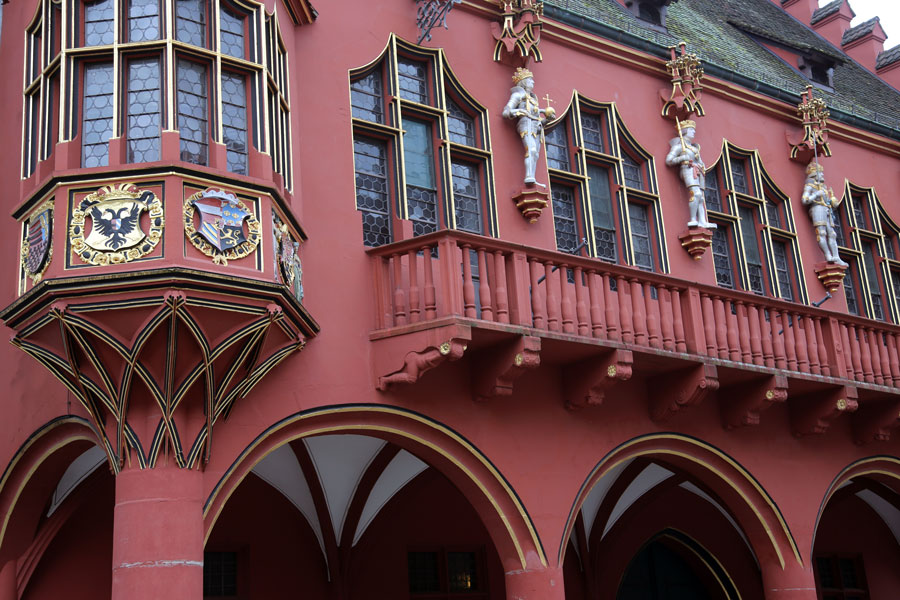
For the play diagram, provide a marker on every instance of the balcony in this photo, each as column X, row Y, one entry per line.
column 448, row 294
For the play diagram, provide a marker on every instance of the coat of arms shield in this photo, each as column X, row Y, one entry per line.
column 220, row 225
column 36, row 249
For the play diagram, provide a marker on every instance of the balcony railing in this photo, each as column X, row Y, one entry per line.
column 451, row 273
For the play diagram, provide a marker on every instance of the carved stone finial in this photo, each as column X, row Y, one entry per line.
column 519, row 35
column 812, row 142
column 686, row 72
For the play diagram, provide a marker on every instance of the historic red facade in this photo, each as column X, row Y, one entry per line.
column 287, row 321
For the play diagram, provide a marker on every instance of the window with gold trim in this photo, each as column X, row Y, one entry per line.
column 755, row 247
column 869, row 243
column 603, row 187
column 421, row 147
column 217, row 78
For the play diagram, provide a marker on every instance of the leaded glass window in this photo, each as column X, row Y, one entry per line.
column 739, row 176
column 592, row 130
column 421, row 189
column 895, row 284
column 460, row 124
column 711, row 191
column 232, row 37
column 889, row 242
column 367, row 99
column 772, row 214
column 859, row 213
column 234, row 121
column 97, row 114
column 413, row 80
column 602, row 212
column 782, row 269
column 193, row 120
column 467, row 197
column 633, row 176
column 424, row 574
column 839, row 227
column 564, row 218
column 190, row 22
column 721, row 250
column 751, row 249
column 850, row 288
column 144, row 109
column 872, row 280
column 98, row 23
column 557, row 148
column 640, row 236
column 143, row 20
column 372, row 198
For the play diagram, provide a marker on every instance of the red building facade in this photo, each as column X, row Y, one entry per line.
column 473, row 387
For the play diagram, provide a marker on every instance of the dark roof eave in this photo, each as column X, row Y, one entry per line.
column 629, row 39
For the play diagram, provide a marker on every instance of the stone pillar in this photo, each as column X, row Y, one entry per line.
column 791, row 583
column 535, row 584
column 158, row 534
column 8, row 589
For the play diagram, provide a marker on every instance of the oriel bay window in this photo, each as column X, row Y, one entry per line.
column 755, row 248
column 421, row 147
column 218, row 82
column 603, row 187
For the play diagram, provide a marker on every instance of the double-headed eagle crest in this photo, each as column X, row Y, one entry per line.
column 115, row 233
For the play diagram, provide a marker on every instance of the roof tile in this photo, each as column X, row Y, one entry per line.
column 888, row 57
column 825, row 11
column 861, row 30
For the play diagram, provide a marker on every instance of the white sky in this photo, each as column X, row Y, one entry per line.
column 888, row 10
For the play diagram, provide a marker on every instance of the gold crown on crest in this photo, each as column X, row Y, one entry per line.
column 813, row 168
column 686, row 124
column 521, row 74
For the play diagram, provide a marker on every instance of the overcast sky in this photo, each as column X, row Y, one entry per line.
column 888, row 10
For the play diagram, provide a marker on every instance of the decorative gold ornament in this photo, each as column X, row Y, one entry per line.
column 687, row 123
column 37, row 242
column 520, row 75
column 519, row 359
column 841, row 404
column 770, row 394
column 116, row 236
column 444, row 349
column 611, row 371
column 219, row 232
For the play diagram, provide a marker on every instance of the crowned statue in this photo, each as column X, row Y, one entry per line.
column 523, row 106
column 822, row 203
column 685, row 154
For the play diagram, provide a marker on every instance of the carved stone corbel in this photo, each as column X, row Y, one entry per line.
column 495, row 374
column 586, row 382
column 876, row 423
column 416, row 364
column 813, row 413
column 740, row 404
column 681, row 389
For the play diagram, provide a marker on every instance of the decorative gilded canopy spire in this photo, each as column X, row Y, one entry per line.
column 813, row 142
column 686, row 73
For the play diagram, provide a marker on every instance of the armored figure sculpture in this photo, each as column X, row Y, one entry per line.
column 683, row 152
column 523, row 105
column 821, row 202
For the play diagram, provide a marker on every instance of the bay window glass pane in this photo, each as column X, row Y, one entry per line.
column 143, row 20
column 602, row 213
column 721, row 250
column 193, row 120
column 366, row 98
column 98, row 23
column 779, row 249
column 190, row 22
column 370, row 159
column 557, row 144
column 234, row 121
column 232, row 34
column 96, row 114
column 413, row 82
column 872, row 279
column 592, row 128
column 751, row 248
column 564, row 218
column 640, row 235
column 421, row 192
column 467, row 197
column 461, row 125
column 143, row 110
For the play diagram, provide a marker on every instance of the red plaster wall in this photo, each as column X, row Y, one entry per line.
column 77, row 564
